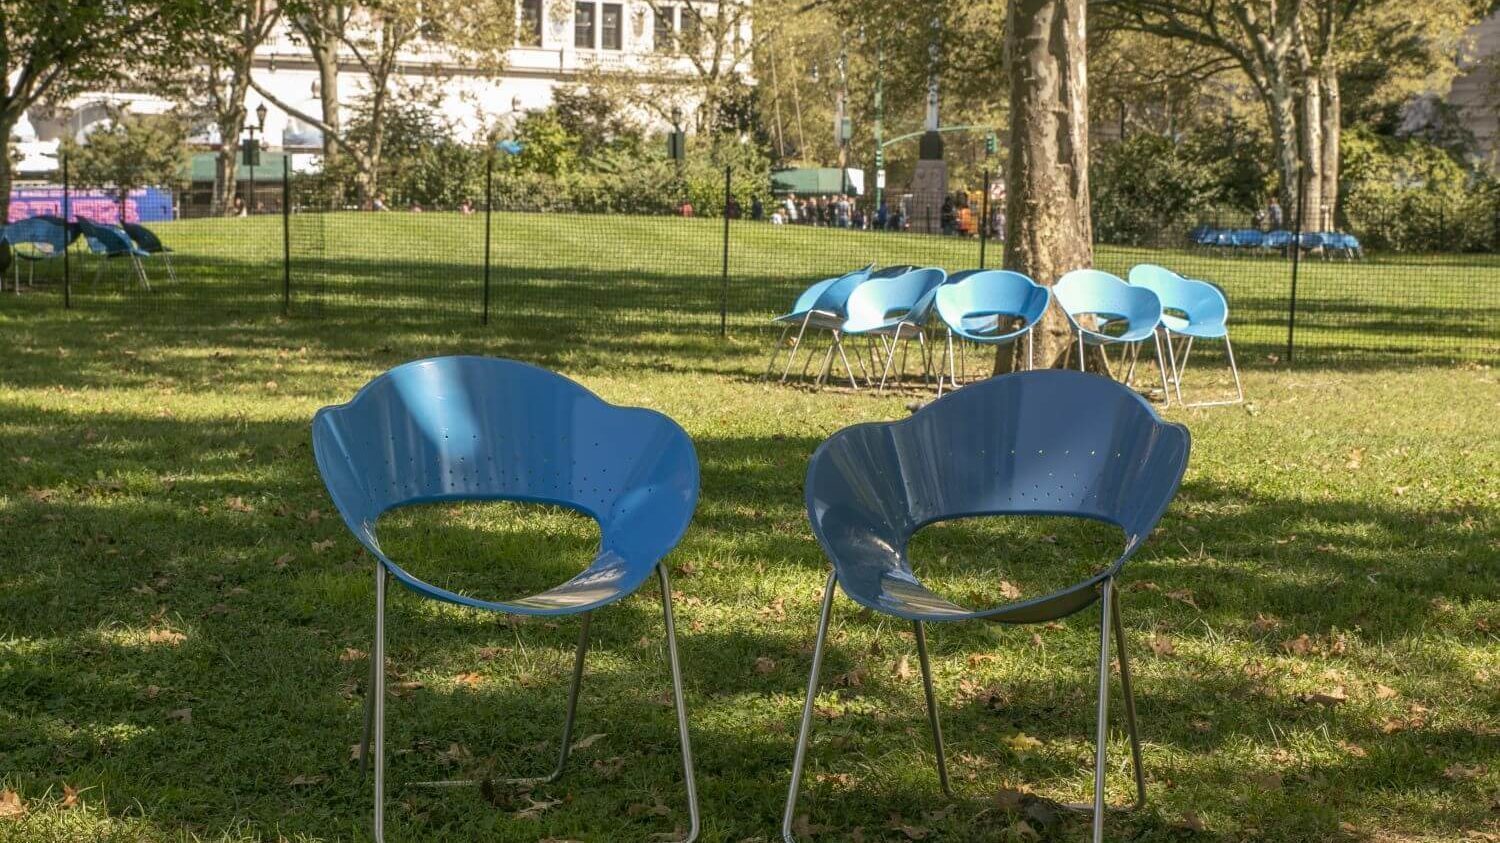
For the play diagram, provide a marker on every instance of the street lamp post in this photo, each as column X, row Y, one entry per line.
column 252, row 150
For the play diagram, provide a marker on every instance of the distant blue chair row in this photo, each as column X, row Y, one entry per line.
column 1045, row 443
column 47, row 237
column 1252, row 240
column 1190, row 310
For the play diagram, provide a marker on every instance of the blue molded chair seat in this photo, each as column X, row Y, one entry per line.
column 1051, row 442
column 109, row 241
column 1134, row 311
column 43, row 238
column 146, row 240
column 973, row 306
column 1191, row 309
column 894, row 308
column 475, row 428
column 820, row 306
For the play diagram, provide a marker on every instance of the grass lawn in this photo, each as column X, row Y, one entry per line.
column 183, row 619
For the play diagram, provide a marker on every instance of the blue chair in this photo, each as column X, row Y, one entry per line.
column 894, row 309
column 1247, row 238
column 1190, row 310
column 1101, row 298
column 1311, row 241
column 146, row 240
column 1277, row 240
column 474, row 428
column 44, row 238
column 1048, row 442
column 974, row 306
column 819, row 306
column 110, row 242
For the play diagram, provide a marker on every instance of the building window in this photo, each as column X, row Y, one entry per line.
column 583, row 25
column 612, row 31
column 665, row 39
column 689, row 30
column 529, row 32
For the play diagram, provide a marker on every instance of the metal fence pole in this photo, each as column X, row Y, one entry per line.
column 286, row 235
column 1291, row 312
column 67, row 221
column 489, row 204
column 724, row 278
column 984, row 217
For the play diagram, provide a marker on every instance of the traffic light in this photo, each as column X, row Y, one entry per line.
column 879, row 157
column 989, row 144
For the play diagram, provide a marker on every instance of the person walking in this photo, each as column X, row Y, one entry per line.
column 757, row 209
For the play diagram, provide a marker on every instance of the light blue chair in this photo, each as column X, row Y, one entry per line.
column 973, row 307
column 475, row 428
column 1049, row 442
column 1190, row 310
column 1276, row 241
column 110, row 242
column 43, row 238
column 1104, row 299
column 1247, row 239
column 819, row 306
column 894, row 310
column 146, row 240
column 1312, row 241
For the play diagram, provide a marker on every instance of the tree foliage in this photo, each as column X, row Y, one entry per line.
column 131, row 151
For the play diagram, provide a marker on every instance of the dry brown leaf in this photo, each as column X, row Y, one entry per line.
column 853, row 679
column 12, row 806
column 70, row 796
column 352, row 655
column 319, row 547
column 911, row 832
column 283, row 560
column 1463, row 772
column 180, row 715
column 1184, row 595
column 1022, row 743
column 237, row 504
column 902, row 669
column 1299, row 646
column 1356, row 459
column 1385, row 692
column 1264, row 624
column 536, row 808
column 1266, row 781
column 608, row 768
column 1161, row 645
column 304, row 780
column 469, row 680
column 764, row 665
column 1009, row 591
column 1332, row 697
column 1192, row 822
column 165, row 636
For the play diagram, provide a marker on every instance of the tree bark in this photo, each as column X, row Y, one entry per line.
column 1333, row 124
column 1048, row 228
column 1281, row 111
column 8, row 120
column 231, row 121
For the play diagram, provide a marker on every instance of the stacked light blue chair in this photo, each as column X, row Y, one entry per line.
column 989, row 307
column 35, row 239
column 820, row 306
column 894, row 310
column 473, row 428
column 1091, row 295
column 1049, row 442
column 110, row 242
column 1190, row 310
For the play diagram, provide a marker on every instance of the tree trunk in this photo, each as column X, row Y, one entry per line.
column 1310, row 151
column 7, row 126
column 1281, row 112
column 1048, row 229
column 231, row 124
column 1333, row 124
column 326, row 57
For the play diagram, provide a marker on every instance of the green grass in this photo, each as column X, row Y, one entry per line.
column 582, row 274
column 168, row 549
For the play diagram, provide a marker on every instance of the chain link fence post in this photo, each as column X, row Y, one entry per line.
column 724, row 277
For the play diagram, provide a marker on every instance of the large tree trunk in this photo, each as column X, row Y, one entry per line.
column 325, row 55
column 1048, row 229
column 1333, row 125
column 231, row 123
column 1281, row 112
column 7, row 126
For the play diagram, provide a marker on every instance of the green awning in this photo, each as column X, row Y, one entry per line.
column 816, row 181
column 268, row 171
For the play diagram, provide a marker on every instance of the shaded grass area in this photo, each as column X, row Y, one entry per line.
column 618, row 274
column 183, row 618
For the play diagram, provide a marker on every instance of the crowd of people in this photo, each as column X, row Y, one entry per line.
column 960, row 214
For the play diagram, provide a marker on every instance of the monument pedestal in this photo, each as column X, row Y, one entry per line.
column 929, row 187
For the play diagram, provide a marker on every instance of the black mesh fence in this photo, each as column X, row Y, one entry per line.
column 527, row 263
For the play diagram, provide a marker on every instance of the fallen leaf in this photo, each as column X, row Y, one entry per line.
column 911, row 832
column 536, row 808
column 70, row 796
column 902, row 669
column 1332, row 697
column 165, row 636
column 237, row 504
column 1299, row 646
column 319, row 547
column 587, row 742
column 608, row 768
column 1385, row 692
column 470, row 680
column 1009, row 591
column 1356, row 459
column 180, row 715
column 853, row 679
column 486, row 654
column 1183, row 595
column 1010, row 800
column 456, row 753
column 640, row 809
column 1266, row 781
column 776, row 611
column 283, row 560
column 11, row 804
column 1463, row 772
column 1192, row 822
column 1022, row 743
column 304, row 780
column 354, row 752
column 1263, row 624
column 1162, row 645
column 764, row 665
column 401, row 689
column 352, row 655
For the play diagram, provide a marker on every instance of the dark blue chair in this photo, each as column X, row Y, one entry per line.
column 146, row 240
column 111, row 242
column 1048, row 442
column 475, row 428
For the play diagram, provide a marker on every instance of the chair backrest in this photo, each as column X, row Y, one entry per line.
column 478, row 428
column 892, row 271
column 143, row 237
column 874, row 301
column 1196, row 300
column 1277, row 239
column 1247, row 237
column 1091, row 291
column 991, row 292
column 1311, row 240
column 834, row 297
column 105, row 239
column 1046, row 442
column 46, row 232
